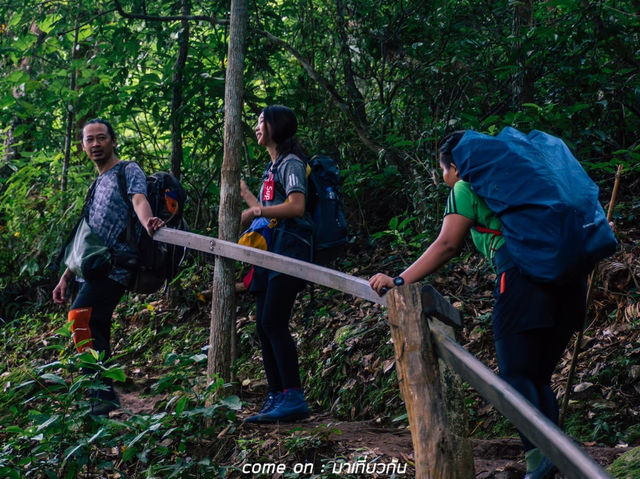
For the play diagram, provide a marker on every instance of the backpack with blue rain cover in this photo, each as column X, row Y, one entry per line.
column 553, row 225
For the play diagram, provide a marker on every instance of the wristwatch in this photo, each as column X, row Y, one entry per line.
column 398, row 280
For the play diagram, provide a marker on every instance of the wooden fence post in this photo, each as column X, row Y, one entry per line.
column 419, row 380
column 457, row 416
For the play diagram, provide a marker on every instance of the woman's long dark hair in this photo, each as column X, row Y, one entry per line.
column 283, row 125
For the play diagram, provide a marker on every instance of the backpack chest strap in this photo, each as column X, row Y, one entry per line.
column 484, row 229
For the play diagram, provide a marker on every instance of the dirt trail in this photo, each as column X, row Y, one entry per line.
column 494, row 459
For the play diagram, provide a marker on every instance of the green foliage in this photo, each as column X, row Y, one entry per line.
column 627, row 465
column 47, row 431
column 401, row 234
column 406, row 73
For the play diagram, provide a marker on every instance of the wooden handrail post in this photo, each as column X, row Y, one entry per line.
column 419, row 381
column 455, row 407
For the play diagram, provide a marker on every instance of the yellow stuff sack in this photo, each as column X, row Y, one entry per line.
column 258, row 235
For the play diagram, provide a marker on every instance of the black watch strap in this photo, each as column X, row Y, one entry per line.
column 398, row 280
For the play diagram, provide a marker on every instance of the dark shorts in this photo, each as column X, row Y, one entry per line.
column 522, row 304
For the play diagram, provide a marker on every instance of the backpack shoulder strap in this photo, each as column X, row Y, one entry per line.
column 87, row 198
column 127, row 234
column 122, row 182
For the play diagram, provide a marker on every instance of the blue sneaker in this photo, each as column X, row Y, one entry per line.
column 270, row 402
column 543, row 471
column 292, row 407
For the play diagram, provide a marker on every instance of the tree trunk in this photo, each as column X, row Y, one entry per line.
column 223, row 294
column 176, row 95
column 357, row 100
column 70, row 114
column 524, row 78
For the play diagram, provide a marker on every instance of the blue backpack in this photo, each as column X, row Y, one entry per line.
column 553, row 224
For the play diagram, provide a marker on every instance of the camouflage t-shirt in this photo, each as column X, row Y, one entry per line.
column 109, row 213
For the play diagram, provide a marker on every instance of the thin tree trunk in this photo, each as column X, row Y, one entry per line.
column 176, row 96
column 223, row 294
column 69, row 136
column 357, row 100
column 9, row 150
column 524, row 78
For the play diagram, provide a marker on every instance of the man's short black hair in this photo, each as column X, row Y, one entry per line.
column 447, row 144
column 112, row 133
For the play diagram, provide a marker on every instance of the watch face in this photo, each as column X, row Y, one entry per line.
column 398, row 281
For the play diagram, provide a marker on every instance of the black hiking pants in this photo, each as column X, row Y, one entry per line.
column 90, row 318
column 533, row 323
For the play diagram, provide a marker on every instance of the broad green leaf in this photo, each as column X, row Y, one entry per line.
column 54, row 378
column 54, row 364
column 117, row 374
column 198, row 358
column 232, row 402
column 17, row 77
column 84, row 32
column 98, row 434
column 48, row 23
column 26, row 383
column 7, row 101
column 137, row 438
column 182, row 403
column 128, row 453
column 72, row 451
column 47, row 423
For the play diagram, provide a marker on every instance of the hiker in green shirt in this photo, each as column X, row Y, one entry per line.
column 532, row 321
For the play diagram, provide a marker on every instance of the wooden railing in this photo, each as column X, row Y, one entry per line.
column 421, row 323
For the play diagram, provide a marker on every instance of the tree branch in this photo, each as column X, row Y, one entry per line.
column 361, row 130
column 170, row 18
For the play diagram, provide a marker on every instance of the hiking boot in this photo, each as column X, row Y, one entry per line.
column 270, row 402
column 292, row 407
column 103, row 402
column 544, row 470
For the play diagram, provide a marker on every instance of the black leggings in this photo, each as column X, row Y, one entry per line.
column 279, row 354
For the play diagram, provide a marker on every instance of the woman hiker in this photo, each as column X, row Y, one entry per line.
column 282, row 199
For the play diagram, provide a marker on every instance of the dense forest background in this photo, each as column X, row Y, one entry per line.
column 374, row 84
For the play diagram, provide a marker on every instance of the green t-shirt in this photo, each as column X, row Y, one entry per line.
column 463, row 201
